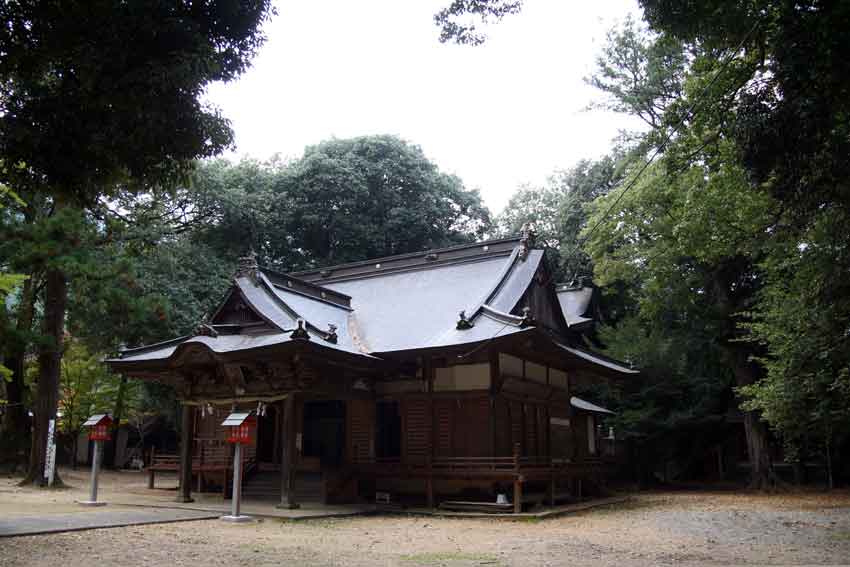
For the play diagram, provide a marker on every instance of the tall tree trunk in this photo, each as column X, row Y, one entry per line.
column 731, row 298
column 830, row 483
column 746, row 372
column 757, row 447
column 49, row 362
column 16, row 424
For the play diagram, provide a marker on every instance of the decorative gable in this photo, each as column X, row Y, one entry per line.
column 236, row 311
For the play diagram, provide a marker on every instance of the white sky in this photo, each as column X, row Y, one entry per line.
column 498, row 115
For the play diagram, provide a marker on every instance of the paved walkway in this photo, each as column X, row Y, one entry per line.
column 89, row 520
column 260, row 508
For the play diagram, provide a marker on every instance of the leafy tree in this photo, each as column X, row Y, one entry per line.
column 790, row 125
column 684, row 232
column 537, row 207
column 457, row 21
column 344, row 200
column 641, row 74
column 800, row 323
column 676, row 411
column 86, row 387
column 371, row 196
column 93, row 94
column 8, row 281
column 558, row 213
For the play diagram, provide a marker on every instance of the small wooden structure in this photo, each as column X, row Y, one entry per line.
column 445, row 375
column 99, row 426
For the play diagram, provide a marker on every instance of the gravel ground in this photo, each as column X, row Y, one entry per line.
column 652, row 529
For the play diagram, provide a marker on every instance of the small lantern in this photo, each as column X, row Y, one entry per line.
column 242, row 428
column 99, row 427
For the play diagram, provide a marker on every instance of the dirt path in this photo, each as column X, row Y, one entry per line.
column 654, row 528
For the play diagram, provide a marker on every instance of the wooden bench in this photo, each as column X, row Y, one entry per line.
column 162, row 463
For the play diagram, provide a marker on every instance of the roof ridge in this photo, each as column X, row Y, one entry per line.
column 323, row 292
column 326, row 271
column 143, row 348
column 292, row 312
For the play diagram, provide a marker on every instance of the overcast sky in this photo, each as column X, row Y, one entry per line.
column 498, row 115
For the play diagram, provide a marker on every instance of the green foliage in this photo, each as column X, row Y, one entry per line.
column 641, row 74
column 102, row 100
column 557, row 211
column 95, row 92
column 677, row 408
column 806, row 392
column 457, row 21
column 171, row 256
column 86, row 388
column 788, row 120
column 373, row 196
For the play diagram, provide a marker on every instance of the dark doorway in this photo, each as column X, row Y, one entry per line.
column 268, row 436
column 324, row 432
column 388, row 430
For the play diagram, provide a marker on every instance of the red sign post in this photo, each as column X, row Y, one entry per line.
column 242, row 431
column 99, row 426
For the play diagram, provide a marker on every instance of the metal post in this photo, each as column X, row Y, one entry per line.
column 236, row 501
column 95, row 465
column 95, row 470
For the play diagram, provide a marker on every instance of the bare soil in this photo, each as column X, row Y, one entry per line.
column 656, row 528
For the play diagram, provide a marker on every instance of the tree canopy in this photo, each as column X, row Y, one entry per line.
column 100, row 97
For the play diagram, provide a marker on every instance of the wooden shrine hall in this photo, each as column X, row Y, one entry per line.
column 425, row 378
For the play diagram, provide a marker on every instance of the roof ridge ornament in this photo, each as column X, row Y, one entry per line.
column 331, row 335
column 463, row 323
column 248, row 267
column 300, row 332
column 527, row 317
column 527, row 239
column 204, row 329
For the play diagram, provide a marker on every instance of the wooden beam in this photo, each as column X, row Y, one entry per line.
column 186, row 436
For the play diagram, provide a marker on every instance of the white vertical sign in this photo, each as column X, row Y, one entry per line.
column 50, row 456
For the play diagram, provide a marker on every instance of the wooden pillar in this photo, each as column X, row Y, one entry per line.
column 552, row 489
column 517, row 480
column 150, row 467
column 186, row 436
column 428, row 373
column 517, row 496
column 494, row 388
column 277, row 444
column 288, row 458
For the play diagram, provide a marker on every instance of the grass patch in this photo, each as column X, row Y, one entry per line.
column 526, row 520
column 441, row 557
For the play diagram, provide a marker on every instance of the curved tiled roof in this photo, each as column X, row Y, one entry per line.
column 377, row 307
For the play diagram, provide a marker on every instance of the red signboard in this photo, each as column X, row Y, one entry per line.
column 244, row 433
column 99, row 431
